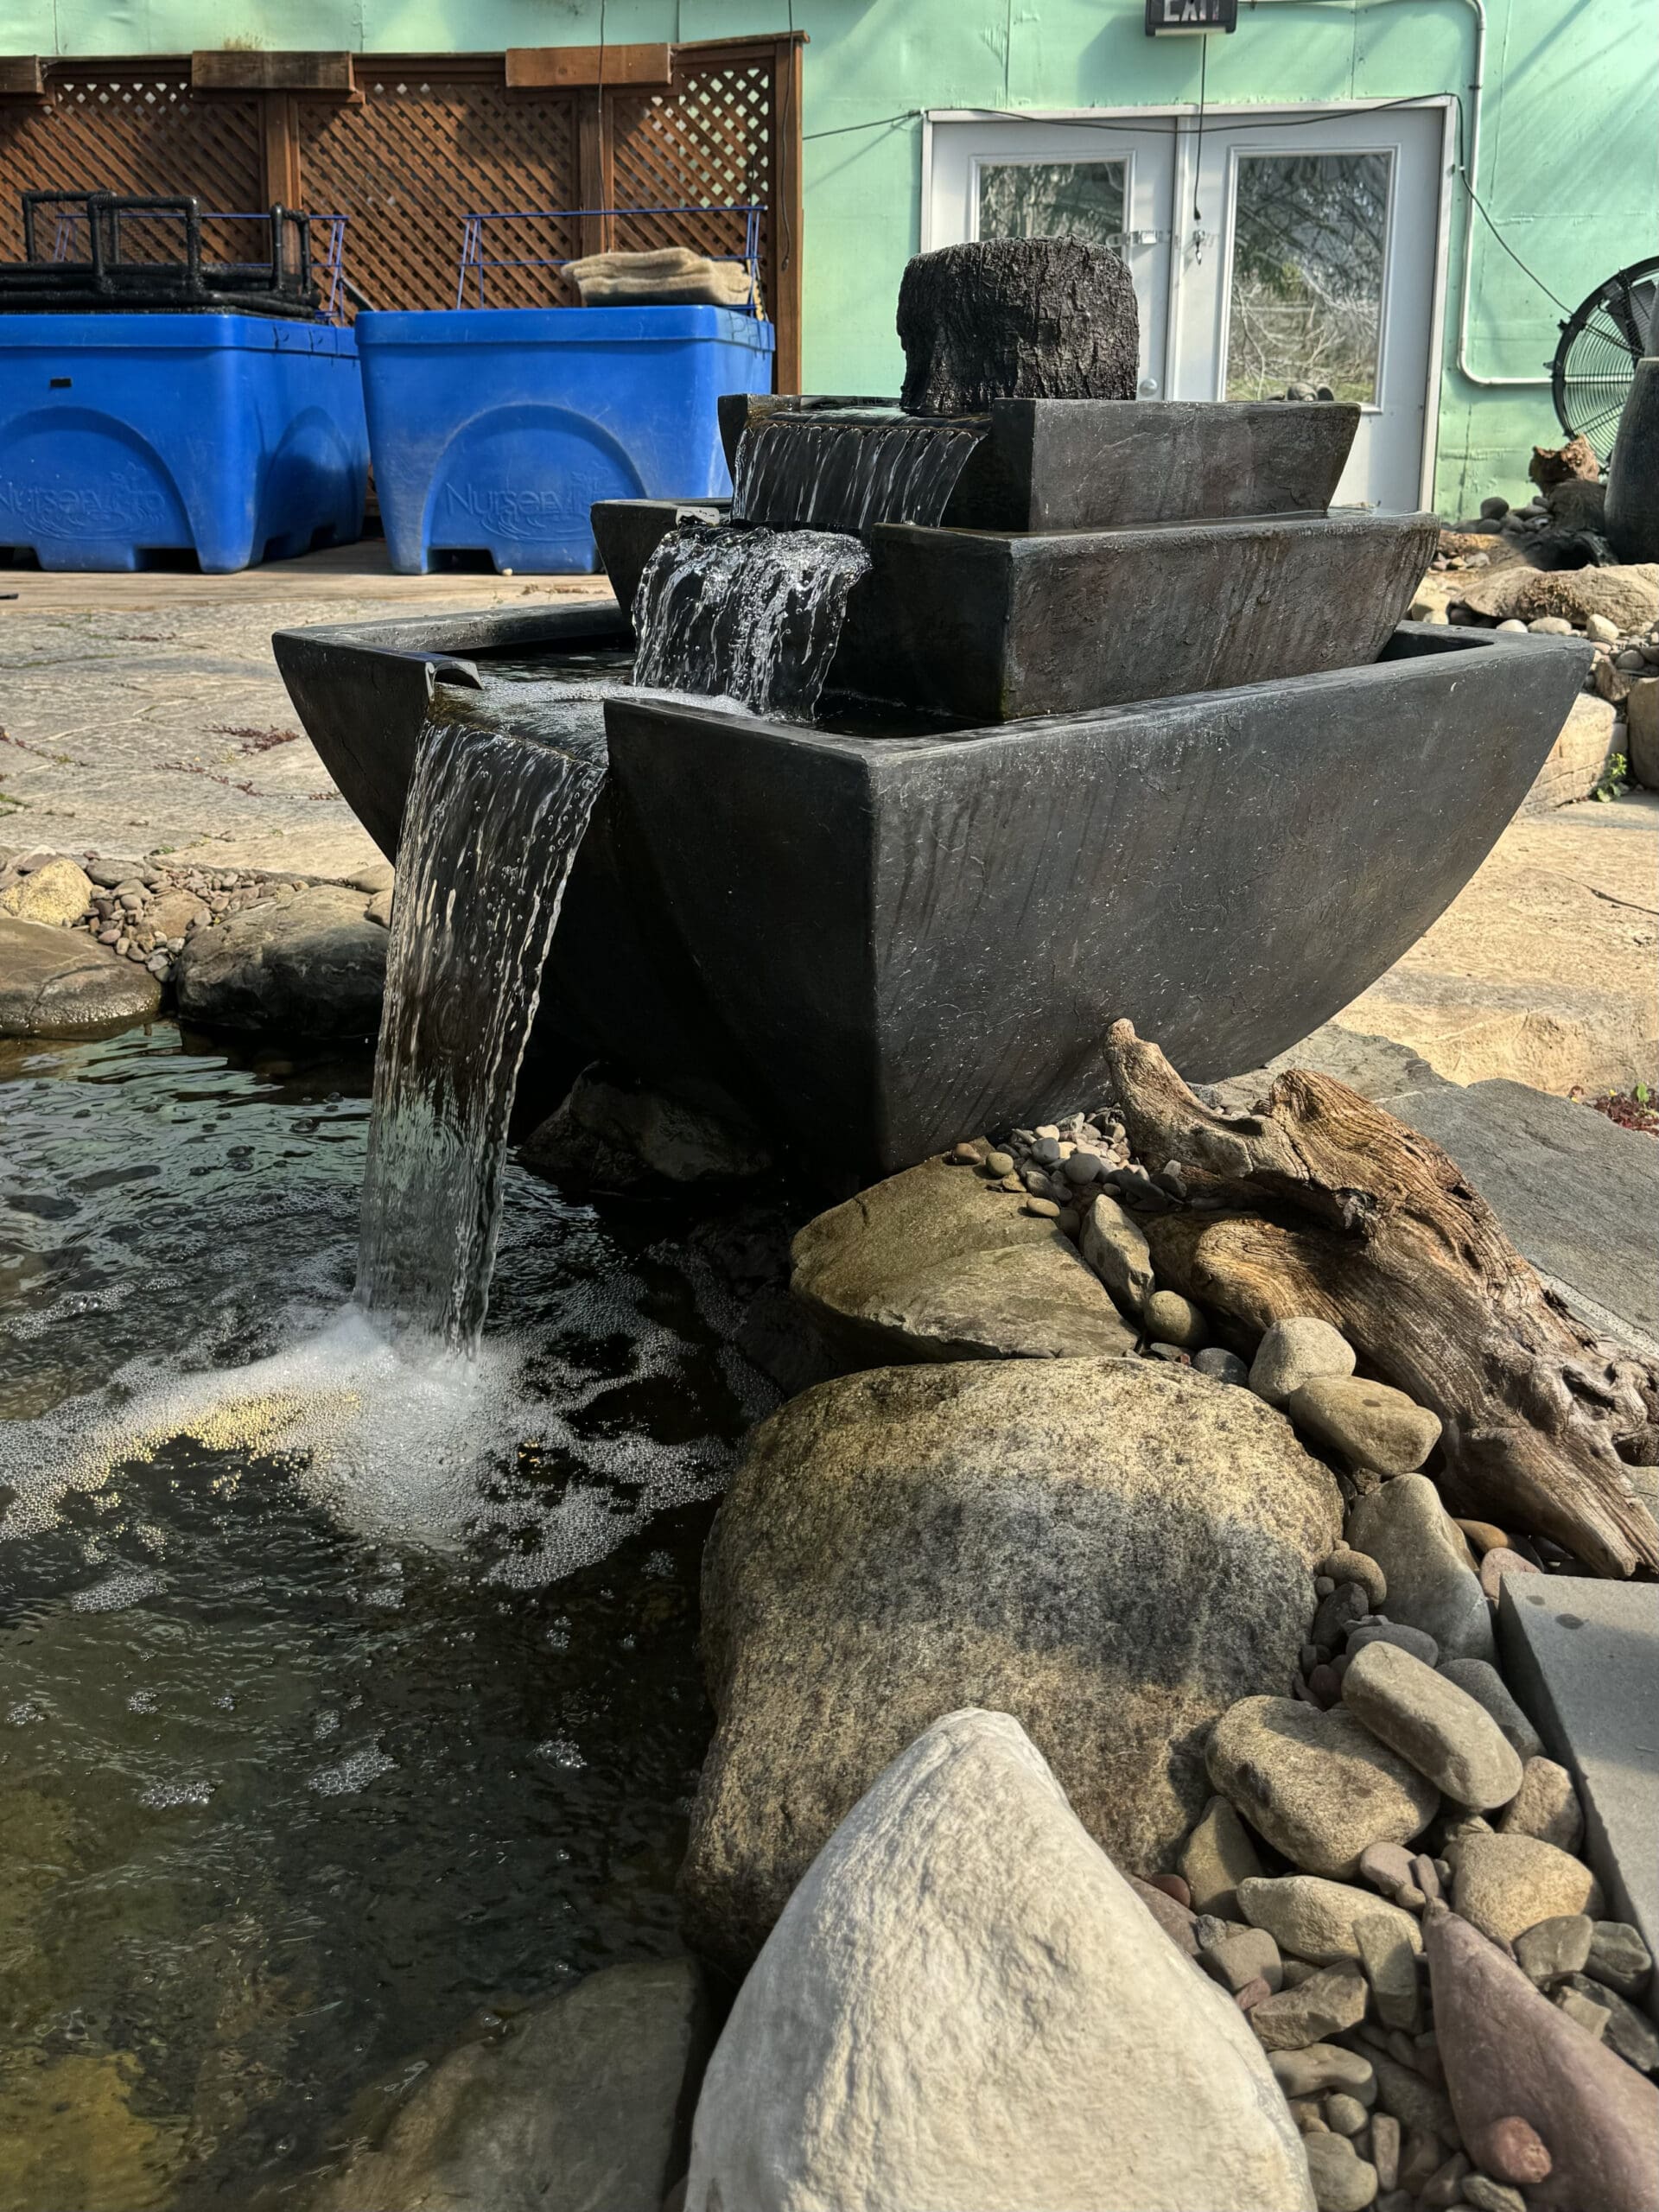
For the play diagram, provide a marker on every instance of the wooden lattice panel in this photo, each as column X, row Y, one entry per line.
column 135, row 130
column 422, row 152
column 708, row 140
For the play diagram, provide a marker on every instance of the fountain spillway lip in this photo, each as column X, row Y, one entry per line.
column 876, row 944
column 1080, row 464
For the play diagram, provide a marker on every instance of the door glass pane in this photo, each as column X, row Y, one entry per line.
column 1306, row 287
column 1047, row 199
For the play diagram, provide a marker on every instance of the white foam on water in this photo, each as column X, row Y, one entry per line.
column 403, row 1441
column 354, row 1772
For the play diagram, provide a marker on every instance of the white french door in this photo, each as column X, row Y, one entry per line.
column 1266, row 250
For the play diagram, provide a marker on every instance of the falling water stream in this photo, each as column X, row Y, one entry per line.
column 848, row 470
column 490, row 831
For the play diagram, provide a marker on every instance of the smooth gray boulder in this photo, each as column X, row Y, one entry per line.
column 57, row 982
column 307, row 961
column 1112, row 1550
column 583, row 2105
column 965, row 2008
column 935, row 1263
column 1406, row 1529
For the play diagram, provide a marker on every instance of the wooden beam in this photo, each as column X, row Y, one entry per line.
column 788, row 214
column 572, row 69
column 234, row 70
column 21, row 76
column 279, row 148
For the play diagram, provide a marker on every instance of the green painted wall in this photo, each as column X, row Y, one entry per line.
column 1569, row 164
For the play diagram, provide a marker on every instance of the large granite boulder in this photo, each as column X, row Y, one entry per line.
column 56, row 983
column 584, row 2103
column 1114, row 1551
column 964, row 2007
column 937, row 1263
column 306, row 960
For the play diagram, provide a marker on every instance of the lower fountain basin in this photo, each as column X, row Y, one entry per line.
column 872, row 945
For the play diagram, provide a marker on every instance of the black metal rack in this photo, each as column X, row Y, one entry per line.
column 83, row 269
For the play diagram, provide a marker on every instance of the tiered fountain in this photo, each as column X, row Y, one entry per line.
column 1073, row 706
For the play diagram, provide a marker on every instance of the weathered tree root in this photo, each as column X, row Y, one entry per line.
column 1363, row 1221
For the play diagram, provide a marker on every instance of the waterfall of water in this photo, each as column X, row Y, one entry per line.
column 490, row 831
column 754, row 613
column 846, row 472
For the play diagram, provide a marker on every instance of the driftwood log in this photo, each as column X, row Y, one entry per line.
column 1360, row 1221
column 1016, row 319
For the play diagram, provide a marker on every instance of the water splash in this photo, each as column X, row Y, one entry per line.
column 756, row 614
column 490, row 833
column 849, row 472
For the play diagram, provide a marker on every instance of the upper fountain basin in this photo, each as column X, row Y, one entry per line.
column 1066, row 464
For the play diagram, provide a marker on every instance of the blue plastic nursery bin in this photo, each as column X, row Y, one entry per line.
column 494, row 429
column 127, row 438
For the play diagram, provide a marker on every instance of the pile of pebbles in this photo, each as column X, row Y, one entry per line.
column 1395, row 1782
column 145, row 911
column 1400, row 1783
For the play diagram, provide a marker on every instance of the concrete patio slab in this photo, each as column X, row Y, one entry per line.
column 1582, row 1658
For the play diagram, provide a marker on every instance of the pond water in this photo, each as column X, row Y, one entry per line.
column 343, row 1706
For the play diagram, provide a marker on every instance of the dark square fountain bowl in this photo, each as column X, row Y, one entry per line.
column 876, row 944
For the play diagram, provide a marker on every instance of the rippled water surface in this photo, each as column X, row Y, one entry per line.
column 339, row 1704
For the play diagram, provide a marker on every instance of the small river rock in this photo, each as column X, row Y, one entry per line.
column 1373, row 1424
column 1620, row 1957
column 1298, row 1351
column 1504, row 1884
column 1509, row 2054
column 1114, row 1244
column 1317, row 1785
column 958, row 1929
column 1546, row 1806
column 1414, row 1640
column 1554, row 1948
column 1432, row 1722
column 1487, row 1687
column 1216, row 1858
column 1325, row 2005
column 1317, row 1919
column 1169, row 1319
column 1629, row 2032
column 1342, row 2181
column 1406, row 1529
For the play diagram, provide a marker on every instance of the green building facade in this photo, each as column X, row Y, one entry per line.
column 904, row 99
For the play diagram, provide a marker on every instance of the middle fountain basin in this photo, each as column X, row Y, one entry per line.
column 872, row 945
column 991, row 626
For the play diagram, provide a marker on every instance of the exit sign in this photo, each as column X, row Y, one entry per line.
column 1166, row 16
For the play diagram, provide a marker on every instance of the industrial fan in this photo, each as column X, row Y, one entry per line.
column 1601, row 343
